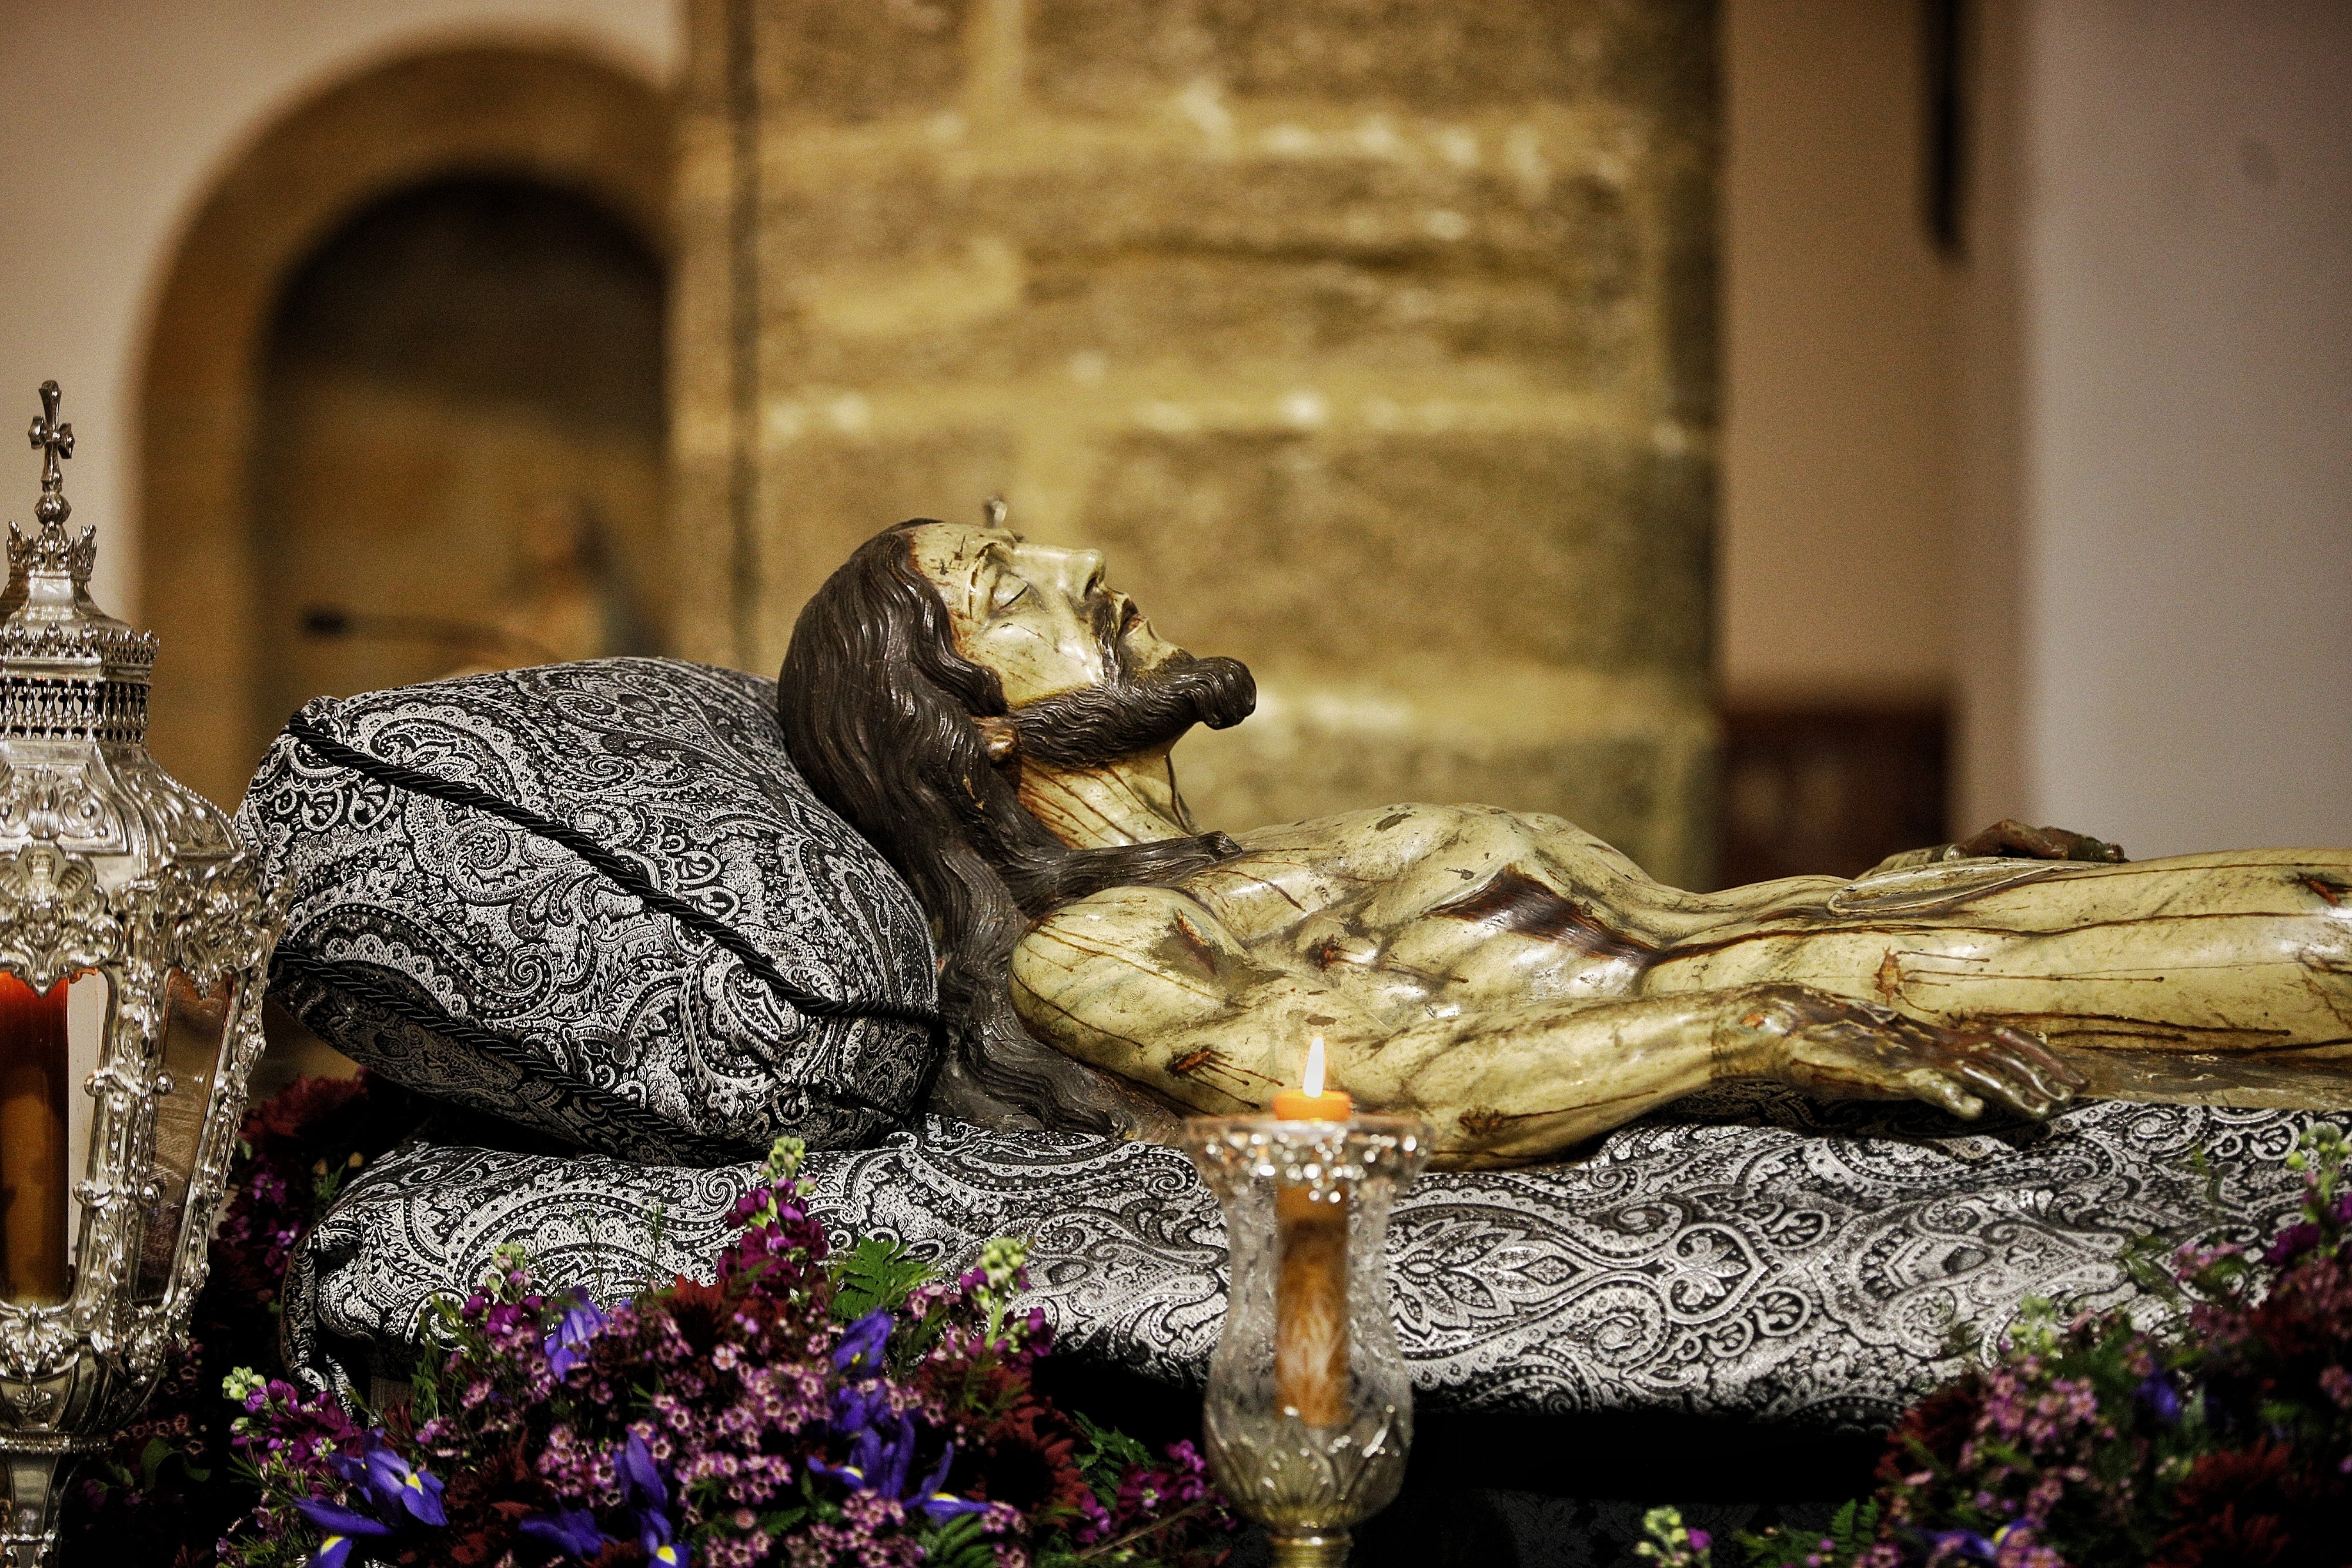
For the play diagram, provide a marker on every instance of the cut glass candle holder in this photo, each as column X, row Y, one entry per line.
column 1308, row 1413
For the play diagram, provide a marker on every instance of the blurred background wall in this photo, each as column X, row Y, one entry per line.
column 2033, row 493
column 1374, row 344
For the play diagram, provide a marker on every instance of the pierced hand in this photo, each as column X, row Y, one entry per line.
column 2023, row 841
column 1843, row 1049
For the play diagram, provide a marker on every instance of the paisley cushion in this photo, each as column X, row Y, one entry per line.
column 1745, row 1253
column 596, row 899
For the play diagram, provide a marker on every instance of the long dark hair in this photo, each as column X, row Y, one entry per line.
column 879, row 712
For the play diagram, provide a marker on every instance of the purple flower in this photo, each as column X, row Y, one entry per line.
column 648, row 1498
column 878, row 1463
column 2293, row 1243
column 1964, row 1545
column 2161, row 1398
column 341, row 1527
column 581, row 1321
column 573, row 1532
column 885, row 1461
column 856, row 1407
column 849, row 1473
column 938, row 1506
column 1700, row 1540
column 641, row 1479
column 391, row 1483
column 655, row 1535
column 862, row 1344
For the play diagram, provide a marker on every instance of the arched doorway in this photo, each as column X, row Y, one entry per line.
column 463, row 389
column 514, row 180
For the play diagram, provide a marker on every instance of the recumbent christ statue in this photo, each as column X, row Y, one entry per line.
column 998, row 722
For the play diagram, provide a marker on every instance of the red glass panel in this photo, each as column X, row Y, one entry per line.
column 35, row 1265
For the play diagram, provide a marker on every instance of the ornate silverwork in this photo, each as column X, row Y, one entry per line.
column 109, row 866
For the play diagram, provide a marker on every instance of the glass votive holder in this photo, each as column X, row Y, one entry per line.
column 1308, row 1413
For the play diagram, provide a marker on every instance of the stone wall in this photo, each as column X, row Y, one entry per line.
column 1372, row 339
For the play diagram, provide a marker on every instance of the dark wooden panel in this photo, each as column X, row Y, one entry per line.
column 1829, row 788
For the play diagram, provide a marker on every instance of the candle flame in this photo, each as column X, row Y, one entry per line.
column 1313, row 1082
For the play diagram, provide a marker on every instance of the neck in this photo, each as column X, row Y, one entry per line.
column 1130, row 802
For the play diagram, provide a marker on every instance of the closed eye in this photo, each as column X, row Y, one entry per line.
column 1009, row 590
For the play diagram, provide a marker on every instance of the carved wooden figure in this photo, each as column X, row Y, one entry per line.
column 998, row 721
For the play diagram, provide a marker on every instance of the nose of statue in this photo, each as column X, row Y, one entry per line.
column 1079, row 571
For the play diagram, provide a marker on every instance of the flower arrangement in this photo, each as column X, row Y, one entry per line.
column 803, row 1408
column 2222, row 1437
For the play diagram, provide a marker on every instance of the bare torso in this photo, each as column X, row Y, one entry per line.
column 1527, row 986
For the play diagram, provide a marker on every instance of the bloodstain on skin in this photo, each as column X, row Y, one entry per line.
column 2327, row 888
column 1210, row 1063
column 1513, row 901
column 1890, row 976
column 1337, row 950
column 1184, row 947
column 1481, row 1120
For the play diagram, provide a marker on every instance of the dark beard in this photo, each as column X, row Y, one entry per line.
column 1132, row 711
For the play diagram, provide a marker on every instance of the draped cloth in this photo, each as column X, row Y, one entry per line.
column 1746, row 1253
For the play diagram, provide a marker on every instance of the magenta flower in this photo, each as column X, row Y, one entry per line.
column 2292, row 1243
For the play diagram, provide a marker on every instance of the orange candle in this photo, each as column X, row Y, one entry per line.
column 1310, row 1300
column 33, row 1172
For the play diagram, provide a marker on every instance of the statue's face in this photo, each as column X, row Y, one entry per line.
column 1038, row 615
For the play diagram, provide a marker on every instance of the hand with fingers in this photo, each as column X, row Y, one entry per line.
column 2021, row 841
column 1844, row 1049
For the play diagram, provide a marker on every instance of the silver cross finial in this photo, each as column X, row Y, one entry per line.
column 56, row 444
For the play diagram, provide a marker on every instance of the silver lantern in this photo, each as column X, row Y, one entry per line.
column 134, row 931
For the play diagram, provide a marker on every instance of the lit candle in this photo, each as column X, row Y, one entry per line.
column 1308, row 1102
column 32, row 1205
column 1310, row 1300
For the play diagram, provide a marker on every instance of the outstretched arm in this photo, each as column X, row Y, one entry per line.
column 1145, row 983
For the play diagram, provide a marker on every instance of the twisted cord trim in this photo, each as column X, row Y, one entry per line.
column 627, row 877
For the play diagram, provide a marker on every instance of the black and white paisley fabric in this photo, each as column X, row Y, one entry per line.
column 584, row 898
column 1748, row 1253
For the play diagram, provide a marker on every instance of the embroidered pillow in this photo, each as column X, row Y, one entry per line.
column 597, row 900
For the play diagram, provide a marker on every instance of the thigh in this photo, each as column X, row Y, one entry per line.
column 2241, row 952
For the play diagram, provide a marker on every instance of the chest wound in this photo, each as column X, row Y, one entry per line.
column 1513, row 901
